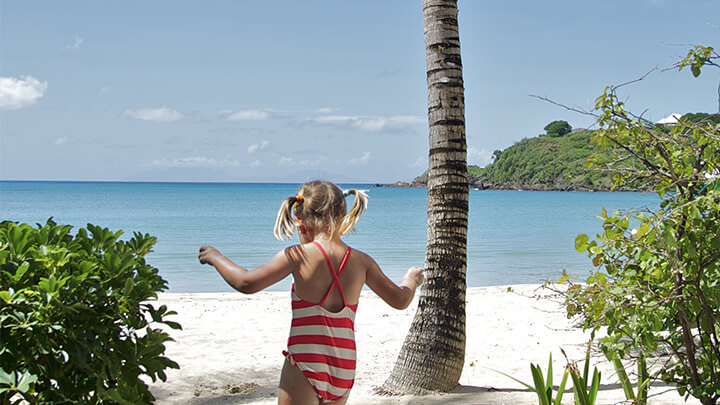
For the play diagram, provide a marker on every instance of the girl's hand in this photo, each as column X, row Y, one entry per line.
column 414, row 277
column 208, row 254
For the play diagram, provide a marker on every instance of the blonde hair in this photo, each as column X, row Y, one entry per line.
column 321, row 205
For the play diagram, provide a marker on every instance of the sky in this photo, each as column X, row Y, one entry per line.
column 290, row 91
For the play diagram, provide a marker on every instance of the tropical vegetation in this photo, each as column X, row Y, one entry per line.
column 655, row 289
column 77, row 324
column 553, row 161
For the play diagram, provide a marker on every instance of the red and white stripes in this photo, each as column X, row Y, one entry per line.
column 322, row 346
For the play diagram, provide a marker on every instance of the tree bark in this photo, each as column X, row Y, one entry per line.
column 433, row 354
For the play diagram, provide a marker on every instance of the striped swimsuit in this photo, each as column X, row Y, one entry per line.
column 322, row 343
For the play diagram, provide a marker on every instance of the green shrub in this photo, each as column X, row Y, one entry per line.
column 558, row 128
column 75, row 321
column 656, row 289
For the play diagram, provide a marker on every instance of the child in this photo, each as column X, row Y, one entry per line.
column 328, row 276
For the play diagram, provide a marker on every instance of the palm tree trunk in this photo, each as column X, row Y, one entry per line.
column 433, row 354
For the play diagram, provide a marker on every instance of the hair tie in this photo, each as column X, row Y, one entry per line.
column 298, row 200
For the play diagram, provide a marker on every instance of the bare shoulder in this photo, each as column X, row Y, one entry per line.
column 296, row 254
column 363, row 258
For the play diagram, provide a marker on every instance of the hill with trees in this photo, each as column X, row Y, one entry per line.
column 556, row 161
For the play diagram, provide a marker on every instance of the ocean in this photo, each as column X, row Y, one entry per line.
column 514, row 237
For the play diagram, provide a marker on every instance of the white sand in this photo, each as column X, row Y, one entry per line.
column 230, row 348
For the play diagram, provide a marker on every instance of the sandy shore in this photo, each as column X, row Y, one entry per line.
column 230, row 348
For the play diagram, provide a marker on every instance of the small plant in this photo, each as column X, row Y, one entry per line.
column 643, row 379
column 76, row 326
column 543, row 387
column 584, row 394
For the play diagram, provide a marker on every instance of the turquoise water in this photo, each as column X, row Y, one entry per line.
column 514, row 236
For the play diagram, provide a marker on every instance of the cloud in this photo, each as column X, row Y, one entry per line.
column 361, row 160
column 368, row 123
column 290, row 161
column 161, row 114
column 76, row 44
column 257, row 147
column 480, row 157
column 16, row 93
column 61, row 140
column 105, row 89
column 391, row 74
column 256, row 163
column 248, row 115
column 196, row 161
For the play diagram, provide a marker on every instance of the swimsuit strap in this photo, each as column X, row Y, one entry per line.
column 336, row 276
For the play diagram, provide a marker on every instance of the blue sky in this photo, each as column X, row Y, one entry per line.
column 290, row 91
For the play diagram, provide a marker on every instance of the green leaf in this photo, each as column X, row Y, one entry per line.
column 129, row 285
column 594, row 387
column 7, row 378
column 530, row 387
column 539, row 384
column 695, row 70
column 561, row 387
column 25, row 380
column 581, row 242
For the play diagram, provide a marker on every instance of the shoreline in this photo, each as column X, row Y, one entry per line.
column 230, row 348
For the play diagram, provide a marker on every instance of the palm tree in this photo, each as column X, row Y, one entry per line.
column 433, row 354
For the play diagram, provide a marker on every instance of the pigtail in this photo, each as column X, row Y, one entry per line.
column 358, row 208
column 284, row 224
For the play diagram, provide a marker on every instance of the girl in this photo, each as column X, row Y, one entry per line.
column 328, row 276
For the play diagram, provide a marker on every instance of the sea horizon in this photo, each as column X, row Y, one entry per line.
column 514, row 237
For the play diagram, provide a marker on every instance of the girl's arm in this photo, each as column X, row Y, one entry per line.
column 396, row 296
column 245, row 281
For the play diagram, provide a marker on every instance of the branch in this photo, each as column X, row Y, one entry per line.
column 643, row 77
column 574, row 109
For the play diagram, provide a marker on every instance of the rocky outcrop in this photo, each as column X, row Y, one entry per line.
column 477, row 183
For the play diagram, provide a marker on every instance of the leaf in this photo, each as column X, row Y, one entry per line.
column 530, row 387
column 695, row 70
column 594, row 387
column 173, row 325
column 539, row 384
column 129, row 285
column 561, row 387
column 5, row 296
column 581, row 242
column 7, row 378
column 23, row 383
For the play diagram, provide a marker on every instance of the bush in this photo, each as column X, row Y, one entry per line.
column 558, row 128
column 657, row 286
column 75, row 324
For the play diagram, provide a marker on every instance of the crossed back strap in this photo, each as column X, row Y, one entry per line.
column 336, row 275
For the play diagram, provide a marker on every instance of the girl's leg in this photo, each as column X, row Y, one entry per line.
column 295, row 388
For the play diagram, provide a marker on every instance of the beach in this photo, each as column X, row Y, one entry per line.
column 230, row 348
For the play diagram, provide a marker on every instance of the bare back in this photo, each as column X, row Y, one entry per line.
column 313, row 277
